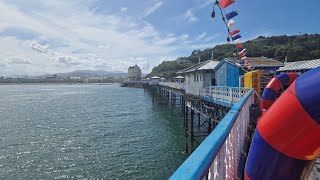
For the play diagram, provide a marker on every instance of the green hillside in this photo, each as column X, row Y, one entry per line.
column 296, row 48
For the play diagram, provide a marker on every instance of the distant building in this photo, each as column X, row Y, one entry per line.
column 266, row 65
column 199, row 76
column 228, row 72
column 300, row 66
column 134, row 73
column 154, row 80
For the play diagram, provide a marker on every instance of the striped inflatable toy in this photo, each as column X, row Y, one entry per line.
column 270, row 92
column 287, row 137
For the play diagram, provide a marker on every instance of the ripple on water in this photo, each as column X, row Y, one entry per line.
column 86, row 132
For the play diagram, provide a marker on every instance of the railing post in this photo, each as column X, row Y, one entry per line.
column 231, row 94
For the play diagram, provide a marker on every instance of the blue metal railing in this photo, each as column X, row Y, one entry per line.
column 219, row 148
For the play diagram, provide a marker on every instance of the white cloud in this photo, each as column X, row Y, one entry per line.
column 201, row 36
column 17, row 60
column 189, row 16
column 66, row 60
column 124, row 9
column 38, row 47
column 69, row 36
column 153, row 8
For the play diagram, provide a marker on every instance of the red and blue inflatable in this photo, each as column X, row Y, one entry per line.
column 270, row 92
column 287, row 136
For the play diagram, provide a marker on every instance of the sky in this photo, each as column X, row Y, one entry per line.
column 39, row 37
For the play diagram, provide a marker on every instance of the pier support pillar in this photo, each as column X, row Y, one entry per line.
column 209, row 126
column 199, row 119
column 191, row 124
column 186, row 131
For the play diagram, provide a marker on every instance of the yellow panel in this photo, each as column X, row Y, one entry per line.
column 252, row 79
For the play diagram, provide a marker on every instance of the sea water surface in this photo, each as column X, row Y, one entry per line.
column 86, row 132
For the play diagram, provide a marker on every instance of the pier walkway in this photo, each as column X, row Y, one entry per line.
column 173, row 85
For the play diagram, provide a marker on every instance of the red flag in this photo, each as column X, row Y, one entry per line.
column 239, row 46
column 234, row 32
column 226, row 3
column 242, row 53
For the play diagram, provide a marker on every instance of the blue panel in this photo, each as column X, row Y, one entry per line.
column 284, row 78
column 221, row 75
column 308, row 92
column 269, row 94
column 233, row 76
column 264, row 162
column 201, row 159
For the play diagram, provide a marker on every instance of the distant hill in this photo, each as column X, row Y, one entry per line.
column 90, row 73
column 295, row 48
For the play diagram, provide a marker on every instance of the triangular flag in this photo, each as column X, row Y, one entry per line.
column 236, row 37
column 231, row 15
column 238, row 41
column 231, row 23
column 234, row 32
column 226, row 3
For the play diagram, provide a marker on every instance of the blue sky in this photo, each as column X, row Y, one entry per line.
column 39, row 37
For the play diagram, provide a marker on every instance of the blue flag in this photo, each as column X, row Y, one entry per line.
column 231, row 15
column 236, row 37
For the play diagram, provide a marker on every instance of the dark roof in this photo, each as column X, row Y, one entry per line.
column 261, row 62
column 206, row 65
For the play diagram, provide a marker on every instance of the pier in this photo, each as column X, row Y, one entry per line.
column 201, row 114
column 220, row 119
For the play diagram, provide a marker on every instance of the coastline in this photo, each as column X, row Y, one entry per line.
column 57, row 83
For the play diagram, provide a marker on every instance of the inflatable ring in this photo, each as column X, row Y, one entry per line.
column 270, row 92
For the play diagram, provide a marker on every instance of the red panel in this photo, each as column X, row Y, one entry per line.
column 226, row 3
column 274, row 84
column 292, row 77
column 265, row 104
column 289, row 129
column 246, row 177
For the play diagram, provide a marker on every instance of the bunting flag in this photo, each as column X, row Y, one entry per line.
column 240, row 49
column 234, row 32
column 231, row 23
column 243, row 50
column 236, row 37
column 239, row 46
column 242, row 53
column 244, row 58
column 226, row 3
column 231, row 15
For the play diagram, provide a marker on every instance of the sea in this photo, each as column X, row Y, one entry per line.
column 87, row 132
